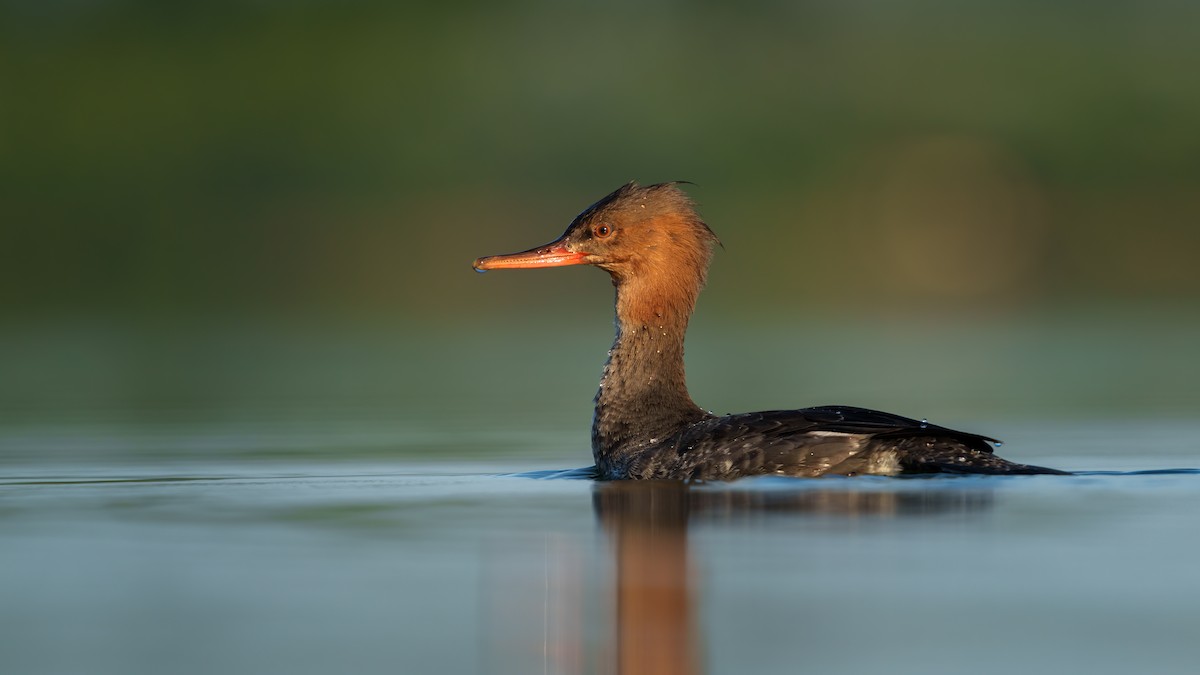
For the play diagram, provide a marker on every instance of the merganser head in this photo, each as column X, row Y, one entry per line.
column 632, row 233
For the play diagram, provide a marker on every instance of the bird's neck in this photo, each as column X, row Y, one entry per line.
column 643, row 395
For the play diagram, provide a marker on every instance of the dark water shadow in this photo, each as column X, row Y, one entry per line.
column 590, row 473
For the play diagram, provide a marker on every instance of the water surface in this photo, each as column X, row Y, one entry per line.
column 328, row 505
column 292, row 565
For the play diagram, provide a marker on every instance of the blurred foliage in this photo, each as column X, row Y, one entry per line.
column 166, row 159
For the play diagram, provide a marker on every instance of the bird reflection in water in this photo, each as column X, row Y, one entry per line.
column 643, row 617
column 655, row 622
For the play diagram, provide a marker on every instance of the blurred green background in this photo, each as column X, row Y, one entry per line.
column 978, row 207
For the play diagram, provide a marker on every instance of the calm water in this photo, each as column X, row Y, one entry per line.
column 286, row 532
column 401, row 566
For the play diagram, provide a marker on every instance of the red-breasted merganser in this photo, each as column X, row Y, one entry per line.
column 656, row 248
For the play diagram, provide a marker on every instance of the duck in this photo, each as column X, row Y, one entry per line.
column 656, row 249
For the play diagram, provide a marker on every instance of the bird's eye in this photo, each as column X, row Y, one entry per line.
column 601, row 231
